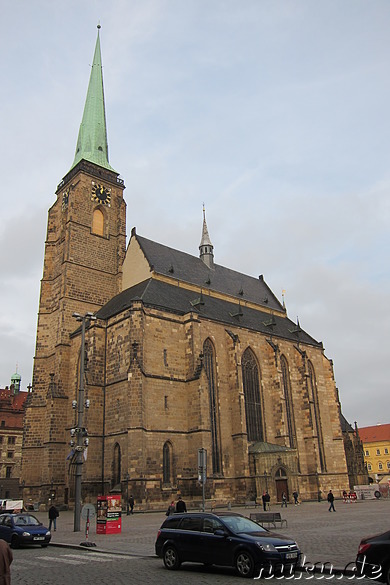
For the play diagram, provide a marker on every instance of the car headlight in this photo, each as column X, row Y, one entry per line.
column 48, row 533
column 266, row 546
column 26, row 534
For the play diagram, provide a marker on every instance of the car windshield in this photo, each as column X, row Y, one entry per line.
column 239, row 524
column 26, row 520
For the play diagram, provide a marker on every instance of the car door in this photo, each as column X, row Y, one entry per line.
column 6, row 527
column 188, row 539
column 215, row 542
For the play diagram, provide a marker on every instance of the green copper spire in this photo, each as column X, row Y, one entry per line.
column 92, row 140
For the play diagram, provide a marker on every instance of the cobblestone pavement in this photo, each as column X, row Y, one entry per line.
column 129, row 557
column 65, row 566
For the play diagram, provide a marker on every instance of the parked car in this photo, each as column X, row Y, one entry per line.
column 225, row 539
column 20, row 529
column 373, row 558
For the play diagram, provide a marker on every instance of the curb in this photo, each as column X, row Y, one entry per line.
column 101, row 551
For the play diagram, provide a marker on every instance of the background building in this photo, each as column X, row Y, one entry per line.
column 181, row 354
column 12, row 405
column 376, row 446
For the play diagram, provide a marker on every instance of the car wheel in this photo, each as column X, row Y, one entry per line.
column 171, row 558
column 15, row 541
column 245, row 564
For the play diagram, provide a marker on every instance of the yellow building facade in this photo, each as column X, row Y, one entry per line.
column 376, row 446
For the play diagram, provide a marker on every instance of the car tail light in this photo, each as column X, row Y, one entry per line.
column 158, row 533
column 363, row 547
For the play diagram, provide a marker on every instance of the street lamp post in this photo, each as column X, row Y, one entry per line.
column 79, row 431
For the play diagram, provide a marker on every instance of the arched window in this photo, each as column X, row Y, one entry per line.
column 98, row 222
column 116, row 466
column 210, row 368
column 167, row 463
column 313, row 396
column 253, row 409
column 288, row 401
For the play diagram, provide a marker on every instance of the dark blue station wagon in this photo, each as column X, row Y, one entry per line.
column 225, row 539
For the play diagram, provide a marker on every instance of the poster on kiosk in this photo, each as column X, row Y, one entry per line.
column 109, row 519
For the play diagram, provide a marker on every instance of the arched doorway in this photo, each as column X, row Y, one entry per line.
column 281, row 484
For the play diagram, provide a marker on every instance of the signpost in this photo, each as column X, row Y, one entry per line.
column 87, row 513
column 202, row 472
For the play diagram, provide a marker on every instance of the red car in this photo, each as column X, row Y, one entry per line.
column 373, row 558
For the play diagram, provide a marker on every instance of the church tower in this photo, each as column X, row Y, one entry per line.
column 84, row 251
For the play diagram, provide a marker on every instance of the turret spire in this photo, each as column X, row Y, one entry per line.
column 92, row 140
column 206, row 248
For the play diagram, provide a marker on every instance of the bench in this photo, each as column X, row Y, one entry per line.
column 221, row 506
column 268, row 518
column 251, row 504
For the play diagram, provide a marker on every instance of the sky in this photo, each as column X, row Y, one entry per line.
column 273, row 113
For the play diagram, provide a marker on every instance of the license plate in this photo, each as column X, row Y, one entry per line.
column 38, row 538
column 291, row 555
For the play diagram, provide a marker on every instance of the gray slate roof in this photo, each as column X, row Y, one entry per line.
column 187, row 268
column 263, row 447
column 174, row 299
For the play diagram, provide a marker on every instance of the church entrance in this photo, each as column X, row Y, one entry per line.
column 281, row 484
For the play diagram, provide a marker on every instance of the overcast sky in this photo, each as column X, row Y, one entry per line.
column 273, row 113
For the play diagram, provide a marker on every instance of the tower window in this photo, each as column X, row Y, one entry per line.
column 98, row 222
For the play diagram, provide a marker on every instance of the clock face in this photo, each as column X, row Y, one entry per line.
column 101, row 194
column 65, row 200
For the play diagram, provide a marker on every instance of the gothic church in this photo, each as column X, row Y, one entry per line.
column 180, row 354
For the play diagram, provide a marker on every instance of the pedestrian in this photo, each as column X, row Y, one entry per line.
column 181, row 505
column 6, row 558
column 267, row 500
column 264, row 498
column 295, row 496
column 53, row 515
column 284, row 499
column 171, row 509
column 131, row 503
column 330, row 499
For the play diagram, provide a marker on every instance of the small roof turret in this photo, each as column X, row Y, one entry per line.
column 15, row 381
column 206, row 248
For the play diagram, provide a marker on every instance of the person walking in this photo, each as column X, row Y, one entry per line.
column 330, row 499
column 171, row 509
column 264, row 498
column 131, row 503
column 53, row 515
column 6, row 558
column 295, row 496
column 267, row 501
column 284, row 499
column 181, row 505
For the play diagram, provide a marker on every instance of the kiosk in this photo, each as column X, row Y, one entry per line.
column 109, row 519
